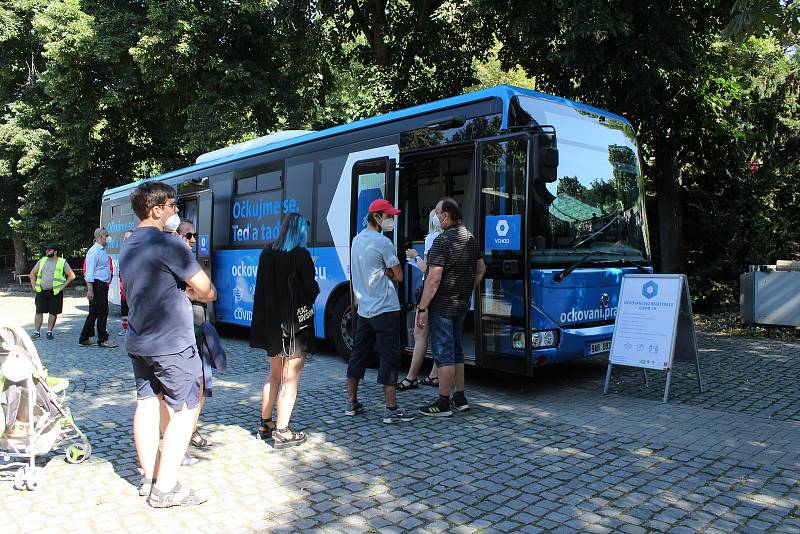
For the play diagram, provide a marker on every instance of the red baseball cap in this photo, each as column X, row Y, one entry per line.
column 381, row 204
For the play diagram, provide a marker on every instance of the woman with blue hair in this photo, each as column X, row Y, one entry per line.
column 285, row 270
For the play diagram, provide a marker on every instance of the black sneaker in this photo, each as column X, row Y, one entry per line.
column 49, row 335
column 354, row 407
column 459, row 405
column 35, row 335
column 434, row 410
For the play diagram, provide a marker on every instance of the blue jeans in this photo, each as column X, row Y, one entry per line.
column 444, row 335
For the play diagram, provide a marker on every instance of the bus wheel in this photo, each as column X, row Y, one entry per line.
column 340, row 327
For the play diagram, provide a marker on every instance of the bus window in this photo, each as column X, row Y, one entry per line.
column 246, row 185
column 269, row 181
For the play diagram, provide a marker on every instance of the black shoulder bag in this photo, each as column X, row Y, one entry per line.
column 299, row 313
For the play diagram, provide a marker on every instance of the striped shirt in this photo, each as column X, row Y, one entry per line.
column 456, row 250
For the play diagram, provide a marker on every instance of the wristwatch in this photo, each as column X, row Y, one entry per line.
column 421, row 309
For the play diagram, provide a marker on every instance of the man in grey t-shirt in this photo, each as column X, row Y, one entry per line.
column 373, row 268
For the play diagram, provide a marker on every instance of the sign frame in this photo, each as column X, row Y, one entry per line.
column 683, row 337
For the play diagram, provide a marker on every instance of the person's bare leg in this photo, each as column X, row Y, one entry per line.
column 459, row 376
column 390, row 395
column 420, row 349
column 352, row 389
column 145, row 434
column 163, row 419
column 446, row 376
column 434, row 372
column 176, row 439
column 37, row 321
column 200, row 409
column 51, row 322
column 269, row 393
column 288, row 390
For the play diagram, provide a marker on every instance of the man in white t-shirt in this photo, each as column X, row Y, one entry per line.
column 374, row 267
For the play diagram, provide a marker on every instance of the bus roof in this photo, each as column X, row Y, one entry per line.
column 503, row 92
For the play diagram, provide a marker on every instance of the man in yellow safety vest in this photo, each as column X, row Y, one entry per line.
column 49, row 277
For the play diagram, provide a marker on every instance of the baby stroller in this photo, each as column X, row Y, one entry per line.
column 33, row 418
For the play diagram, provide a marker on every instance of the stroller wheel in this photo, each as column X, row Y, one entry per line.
column 33, row 481
column 19, row 478
column 77, row 454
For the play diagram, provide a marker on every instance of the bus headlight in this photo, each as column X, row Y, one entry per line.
column 539, row 340
column 543, row 339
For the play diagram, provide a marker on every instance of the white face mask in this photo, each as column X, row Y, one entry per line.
column 172, row 223
column 387, row 224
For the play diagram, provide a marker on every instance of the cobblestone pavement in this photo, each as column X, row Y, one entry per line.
column 544, row 454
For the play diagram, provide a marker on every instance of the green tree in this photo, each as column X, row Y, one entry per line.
column 643, row 60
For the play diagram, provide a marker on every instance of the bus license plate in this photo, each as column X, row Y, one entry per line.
column 600, row 346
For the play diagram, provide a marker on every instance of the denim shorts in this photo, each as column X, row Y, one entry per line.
column 444, row 338
column 175, row 376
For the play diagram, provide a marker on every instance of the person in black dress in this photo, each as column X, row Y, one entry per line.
column 278, row 261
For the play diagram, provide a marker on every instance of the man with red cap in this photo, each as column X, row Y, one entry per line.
column 374, row 266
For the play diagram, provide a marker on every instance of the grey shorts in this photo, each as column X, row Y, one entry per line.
column 175, row 376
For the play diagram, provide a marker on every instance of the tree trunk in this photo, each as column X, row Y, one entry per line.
column 20, row 259
column 670, row 209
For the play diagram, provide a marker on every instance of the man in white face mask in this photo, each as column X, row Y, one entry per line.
column 161, row 342
column 97, row 273
column 373, row 267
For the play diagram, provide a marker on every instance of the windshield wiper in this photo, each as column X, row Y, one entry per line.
column 559, row 276
column 642, row 268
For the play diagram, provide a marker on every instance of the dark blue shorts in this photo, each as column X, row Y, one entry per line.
column 444, row 338
column 176, row 376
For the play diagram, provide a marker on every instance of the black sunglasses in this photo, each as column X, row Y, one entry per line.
column 189, row 235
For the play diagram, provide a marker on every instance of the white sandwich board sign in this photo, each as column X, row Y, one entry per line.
column 654, row 325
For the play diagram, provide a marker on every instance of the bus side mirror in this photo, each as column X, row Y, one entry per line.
column 546, row 157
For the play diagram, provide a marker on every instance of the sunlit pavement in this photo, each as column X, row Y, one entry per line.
column 549, row 453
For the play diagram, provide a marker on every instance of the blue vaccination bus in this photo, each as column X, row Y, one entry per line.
column 551, row 188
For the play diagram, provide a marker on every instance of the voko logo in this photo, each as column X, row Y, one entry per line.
column 598, row 314
column 244, row 270
column 502, row 228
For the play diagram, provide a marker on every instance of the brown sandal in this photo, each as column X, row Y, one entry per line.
column 266, row 428
column 199, row 441
column 287, row 438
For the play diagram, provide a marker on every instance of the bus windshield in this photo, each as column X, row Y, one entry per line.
column 595, row 208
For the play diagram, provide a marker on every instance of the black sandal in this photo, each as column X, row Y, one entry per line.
column 268, row 428
column 284, row 437
column 199, row 441
column 432, row 381
column 406, row 384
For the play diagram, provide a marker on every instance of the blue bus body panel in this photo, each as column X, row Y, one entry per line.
column 235, row 278
column 575, row 307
